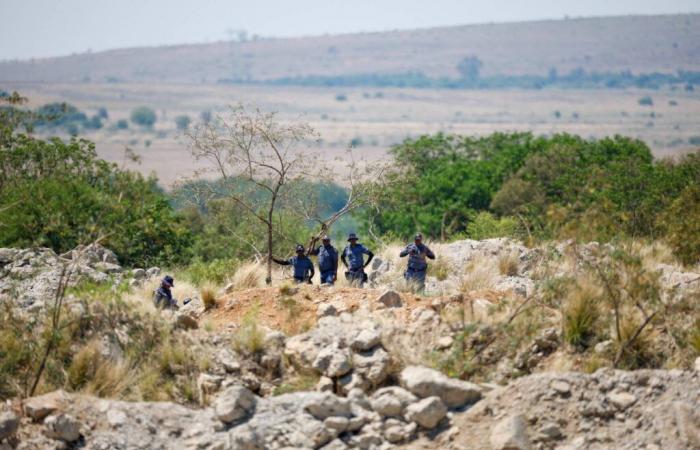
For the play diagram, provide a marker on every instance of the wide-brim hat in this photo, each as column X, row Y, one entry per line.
column 352, row 236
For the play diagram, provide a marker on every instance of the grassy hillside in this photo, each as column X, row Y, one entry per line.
column 641, row 44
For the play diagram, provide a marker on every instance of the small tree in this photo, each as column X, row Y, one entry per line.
column 183, row 122
column 469, row 68
column 143, row 116
column 255, row 148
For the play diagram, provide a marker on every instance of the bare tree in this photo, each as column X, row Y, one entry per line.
column 254, row 153
column 363, row 184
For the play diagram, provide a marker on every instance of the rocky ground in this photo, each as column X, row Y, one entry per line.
column 341, row 367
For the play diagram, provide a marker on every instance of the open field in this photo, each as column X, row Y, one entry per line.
column 375, row 119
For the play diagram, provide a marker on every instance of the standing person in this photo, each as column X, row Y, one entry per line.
column 303, row 267
column 417, row 265
column 163, row 296
column 353, row 258
column 327, row 261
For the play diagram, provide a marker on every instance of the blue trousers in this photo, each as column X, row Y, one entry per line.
column 327, row 276
column 416, row 276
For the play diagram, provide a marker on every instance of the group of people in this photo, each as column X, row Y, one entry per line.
column 352, row 257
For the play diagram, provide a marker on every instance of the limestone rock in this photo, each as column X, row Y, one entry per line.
column 324, row 405
column 62, row 427
column 510, row 434
column 427, row 412
column 326, row 309
column 622, row 400
column 391, row 401
column 366, row 339
column 425, row 382
column 333, row 362
column 235, row 403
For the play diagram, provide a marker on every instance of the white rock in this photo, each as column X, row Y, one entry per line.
column 560, row 387
column 551, row 430
column 62, row 427
column 427, row 412
column 153, row 272
column 327, row 405
column 116, row 418
column 324, row 384
column 425, row 382
column 390, row 299
column 622, row 400
column 138, row 274
column 333, row 362
column 366, row 339
column 391, row 401
column 510, row 434
column 337, row 423
column 697, row 364
column 445, row 342
column 235, row 403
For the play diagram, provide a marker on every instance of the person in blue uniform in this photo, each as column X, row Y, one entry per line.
column 327, row 260
column 353, row 258
column 301, row 264
column 417, row 253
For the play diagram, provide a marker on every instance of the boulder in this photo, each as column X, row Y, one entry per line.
column 333, row 362
column 138, row 274
column 427, row 412
column 39, row 407
column 326, row 309
column 374, row 365
column 62, row 427
column 391, row 401
column 235, row 403
column 425, row 382
column 366, row 339
column 390, row 299
column 510, row 434
column 9, row 423
column 186, row 322
column 326, row 404
column 622, row 400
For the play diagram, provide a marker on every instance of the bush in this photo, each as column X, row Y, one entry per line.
column 250, row 339
column 682, row 224
column 581, row 315
column 341, row 97
column 646, row 101
column 102, row 113
column 143, row 116
column 122, row 124
column 215, row 271
column 694, row 140
column 182, row 122
column 485, row 225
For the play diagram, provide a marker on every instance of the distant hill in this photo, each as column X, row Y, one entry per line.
column 641, row 44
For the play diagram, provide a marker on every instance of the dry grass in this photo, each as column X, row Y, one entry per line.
column 581, row 313
column 440, row 268
column 249, row 275
column 91, row 372
column 403, row 285
column 480, row 274
column 250, row 338
column 208, row 296
column 508, row 264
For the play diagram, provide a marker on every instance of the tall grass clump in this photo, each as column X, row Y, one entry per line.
column 216, row 271
column 208, row 296
column 508, row 264
column 440, row 268
column 581, row 315
column 248, row 275
column 91, row 372
column 478, row 275
column 250, row 338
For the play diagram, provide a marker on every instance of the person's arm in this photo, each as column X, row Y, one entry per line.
column 281, row 262
column 429, row 253
column 313, row 272
column 342, row 258
column 370, row 255
column 405, row 251
column 314, row 252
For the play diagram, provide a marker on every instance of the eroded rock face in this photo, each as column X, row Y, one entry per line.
column 235, row 403
column 62, row 427
column 9, row 423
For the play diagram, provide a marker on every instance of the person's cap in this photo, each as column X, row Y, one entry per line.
column 169, row 280
column 352, row 237
column 326, row 238
column 300, row 248
column 418, row 236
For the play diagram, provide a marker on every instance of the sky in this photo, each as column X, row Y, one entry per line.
column 42, row 28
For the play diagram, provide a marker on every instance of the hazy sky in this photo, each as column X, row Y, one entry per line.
column 38, row 28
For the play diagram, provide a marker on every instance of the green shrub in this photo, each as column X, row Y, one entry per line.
column 485, row 225
column 646, row 101
column 122, row 124
column 143, row 116
column 183, row 122
column 216, row 271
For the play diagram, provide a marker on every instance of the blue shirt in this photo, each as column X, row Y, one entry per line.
column 354, row 256
column 417, row 255
column 327, row 258
column 302, row 266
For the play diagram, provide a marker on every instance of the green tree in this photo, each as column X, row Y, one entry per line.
column 143, row 116
column 183, row 122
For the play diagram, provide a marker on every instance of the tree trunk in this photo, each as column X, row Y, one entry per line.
column 268, row 278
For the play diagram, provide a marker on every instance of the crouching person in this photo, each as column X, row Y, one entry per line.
column 417, row 265
column 163, row 296
column 302, row 265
